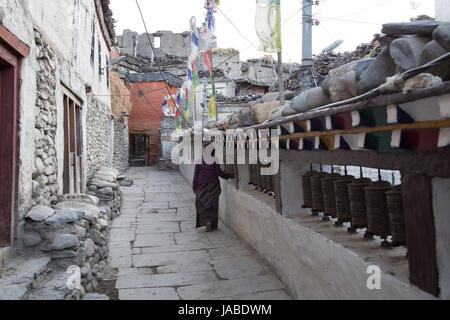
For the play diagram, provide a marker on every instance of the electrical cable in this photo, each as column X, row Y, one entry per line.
column 159, row 68
column 148, row 101
column 368, row 8
column 329, row 34
column 353, row 21
column 251, row 44
column 234, row 26
column 444, row 59
column 130, row 95
column 297, row 12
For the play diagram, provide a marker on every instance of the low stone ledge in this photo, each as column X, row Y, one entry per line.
column 73, row 233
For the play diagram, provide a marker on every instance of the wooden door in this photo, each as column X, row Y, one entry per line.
column 73, row 147
column 8, row 144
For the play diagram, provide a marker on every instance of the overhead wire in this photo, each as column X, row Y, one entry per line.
column 159, row 68
column 365, row 9
column 251, row 43
column 130, row 95
column 148, row 101
column 352, row 21
column 234, row 26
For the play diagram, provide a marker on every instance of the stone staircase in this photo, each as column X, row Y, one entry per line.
column 3, row 255
column 20, row 276
column 34, row 279
column 72, row 235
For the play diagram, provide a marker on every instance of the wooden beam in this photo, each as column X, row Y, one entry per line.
column 66, row 175
column 435, row 164
column 14, row 43
column 425, row 125
column 419, row 218
column 380, row 101
column 407, row 126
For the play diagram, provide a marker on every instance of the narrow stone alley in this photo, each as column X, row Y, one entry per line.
column 158, row 254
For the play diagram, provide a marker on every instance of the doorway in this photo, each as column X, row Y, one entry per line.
column 73, row 145
column 12, row 50
column 139, row 150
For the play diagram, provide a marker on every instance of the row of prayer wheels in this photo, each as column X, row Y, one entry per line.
column 260, row 182
column 375, row 206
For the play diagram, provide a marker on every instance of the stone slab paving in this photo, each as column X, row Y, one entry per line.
column 159, row 255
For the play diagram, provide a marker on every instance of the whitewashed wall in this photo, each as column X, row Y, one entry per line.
column 67, row 27
column 443, row 10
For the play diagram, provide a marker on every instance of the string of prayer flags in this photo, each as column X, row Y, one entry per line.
column 268, row 25
column 178, row 115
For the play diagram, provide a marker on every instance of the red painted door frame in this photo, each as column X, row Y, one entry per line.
column 12, row 51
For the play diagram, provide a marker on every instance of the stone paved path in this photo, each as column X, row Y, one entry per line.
column 159, row 255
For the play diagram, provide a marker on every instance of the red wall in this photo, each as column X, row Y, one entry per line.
column 147, row 119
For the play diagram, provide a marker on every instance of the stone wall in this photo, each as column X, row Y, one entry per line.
column 45, row 182
column 98, row 124
column 59, row 57
column 441, row 203
column 72, row 233
column 167, row 129
column 312, row 259
column 315, row 264
column 121, row 145
column 172, row 44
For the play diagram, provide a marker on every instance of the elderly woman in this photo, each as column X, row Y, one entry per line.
column 206, row 186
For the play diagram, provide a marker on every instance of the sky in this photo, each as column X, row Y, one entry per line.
column 354, row 21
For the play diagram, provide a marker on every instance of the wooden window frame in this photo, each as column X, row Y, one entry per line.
column 73, row 182
column 93, row 42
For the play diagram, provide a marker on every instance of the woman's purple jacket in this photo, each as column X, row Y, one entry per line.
column 205, row 173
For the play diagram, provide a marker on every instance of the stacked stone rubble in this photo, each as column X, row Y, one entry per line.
column 45, row 184
column 75, row 233
column 105, row 187
column 121, row 145
column 98, row 127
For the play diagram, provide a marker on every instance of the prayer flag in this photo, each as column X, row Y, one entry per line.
column 208, row 60
column 212, row 108
column 268, row 25
column 186, row 107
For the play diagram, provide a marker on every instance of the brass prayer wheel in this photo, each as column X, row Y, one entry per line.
column 307, row 191
column 317, row 193
column 329, row 198
column 255, row 175
column 270, row 183
column 344, row 213
column 265, row 180
column 358, row 205
column 266, row 183
column 252, row 178
column 377, row 211
column 258, row 176
column 396, row 216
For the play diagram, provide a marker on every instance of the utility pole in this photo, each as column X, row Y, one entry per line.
column 281, row 75
column 307, row 59
column 307, row 33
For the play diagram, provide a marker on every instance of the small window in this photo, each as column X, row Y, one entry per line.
column 93, row 42
column 99, row 58
column 157, row 42
column 107, row 71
